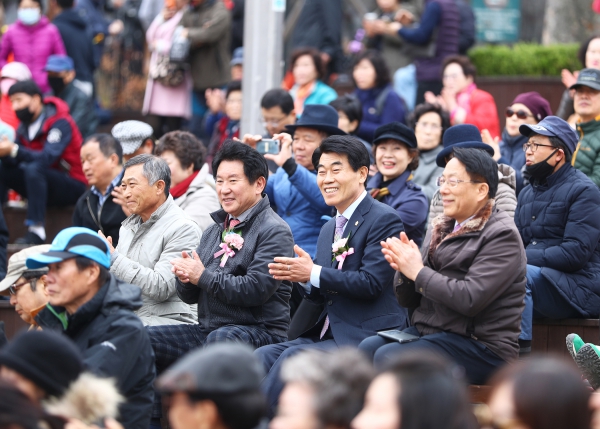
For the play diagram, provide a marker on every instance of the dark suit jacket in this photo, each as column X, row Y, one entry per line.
column 360, row 298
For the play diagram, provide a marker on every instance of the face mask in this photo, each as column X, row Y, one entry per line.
column 57, row 84
column 24, row 115
column 5, row 84
column 542, row 169
column 29, row 16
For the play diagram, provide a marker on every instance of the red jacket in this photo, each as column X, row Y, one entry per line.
column 56, row 144
column 7, row 114
column 484, row 114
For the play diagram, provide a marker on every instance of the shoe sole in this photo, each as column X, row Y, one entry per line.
column 570, row 347
column 588, row 362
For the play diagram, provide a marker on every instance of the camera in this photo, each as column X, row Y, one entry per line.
column 268, row 146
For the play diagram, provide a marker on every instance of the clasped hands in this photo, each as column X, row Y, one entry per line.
column 403, row 255
column 188, row 268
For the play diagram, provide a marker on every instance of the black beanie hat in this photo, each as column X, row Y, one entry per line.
column 28, row 87
column 48, row 359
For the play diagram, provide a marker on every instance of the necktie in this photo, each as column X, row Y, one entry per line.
column 233, row 223
column 456, row 227
column 340, row 222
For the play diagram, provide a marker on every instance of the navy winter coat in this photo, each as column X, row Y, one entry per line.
column 391, row 110
column 559, row 222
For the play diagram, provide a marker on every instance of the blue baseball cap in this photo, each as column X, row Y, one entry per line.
column 553, row 126
column 59, row 63
column 70, row 243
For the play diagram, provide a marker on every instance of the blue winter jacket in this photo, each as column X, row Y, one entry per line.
column 299, row 202
column 409, row 201
column 559, row 222
column 321, row 94
column 392, row 110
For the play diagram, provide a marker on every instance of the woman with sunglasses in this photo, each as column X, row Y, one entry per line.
column 27, row 288
column 527, row 108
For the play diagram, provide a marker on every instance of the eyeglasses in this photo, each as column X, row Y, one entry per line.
column 12, row 289
column 452, row 182
column 428, row 126
column 533, row 147
column 521, row 114
column 271, row 122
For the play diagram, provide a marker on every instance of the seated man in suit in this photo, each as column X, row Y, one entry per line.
column 237, row 298
column 353, row 282
column 468, row 284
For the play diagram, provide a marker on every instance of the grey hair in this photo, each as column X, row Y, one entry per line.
column 339, row 381
column 155, row 169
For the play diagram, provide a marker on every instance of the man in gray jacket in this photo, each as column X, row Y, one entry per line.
column 157, row 232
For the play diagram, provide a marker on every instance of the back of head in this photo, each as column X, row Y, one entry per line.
column 278, row 97
column 433, row 392
column 548, row 393
column 352, row 147
column 48, row 359
column 255, row 165
column 107, row 144
column 28, row 87
column 227, row 374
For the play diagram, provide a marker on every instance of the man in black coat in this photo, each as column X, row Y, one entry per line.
column 96, row 310
column 102, row 162
column 77, row 40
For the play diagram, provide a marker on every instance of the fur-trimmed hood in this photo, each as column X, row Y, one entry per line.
column 90, row 399
column 442, row 226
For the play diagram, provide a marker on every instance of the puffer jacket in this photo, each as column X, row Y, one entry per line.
column 506, row 197
column 511, row 149
column 114, row 344
column 472, row 283
column 143, row 258
column 587, row 155
column 243, row 292
column 32, row 45
column 200, row 199
column 559, row 222
column 209, row 29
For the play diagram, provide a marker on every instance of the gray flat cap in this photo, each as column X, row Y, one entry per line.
column 131, row 135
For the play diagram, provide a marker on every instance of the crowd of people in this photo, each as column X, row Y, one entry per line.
column 354, row 266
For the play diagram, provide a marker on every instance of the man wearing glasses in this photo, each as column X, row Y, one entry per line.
column 27, row 288
column 558, row 217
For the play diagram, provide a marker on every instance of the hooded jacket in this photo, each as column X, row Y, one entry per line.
column 243, row 292
column 506, row 197
column 559, row 222
column 57, row 143
column 78, row 42
column 32, row 45
column 472, row 283
column 114, row 343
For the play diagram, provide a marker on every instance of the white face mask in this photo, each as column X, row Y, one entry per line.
column 29, row 16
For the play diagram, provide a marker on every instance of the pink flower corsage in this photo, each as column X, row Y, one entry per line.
column 341, row 251
column 232, row 241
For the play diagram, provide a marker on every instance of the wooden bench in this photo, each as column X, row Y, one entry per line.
column 549, row 334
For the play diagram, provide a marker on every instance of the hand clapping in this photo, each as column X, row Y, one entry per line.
column 188, row 269
column 403, row 255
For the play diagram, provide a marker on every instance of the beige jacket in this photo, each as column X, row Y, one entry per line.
column 143, row 257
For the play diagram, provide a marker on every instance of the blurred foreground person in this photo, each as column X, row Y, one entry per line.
column 322, row 390
column 49, row 369
column 217, row 387
column 540, row 393
column 419, row 391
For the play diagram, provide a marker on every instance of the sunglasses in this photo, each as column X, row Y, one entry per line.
column 521, row 114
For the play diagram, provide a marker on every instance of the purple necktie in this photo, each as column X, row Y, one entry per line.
column 456, row 227
column 340, row 222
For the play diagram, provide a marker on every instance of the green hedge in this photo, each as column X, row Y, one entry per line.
column 524, row 59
